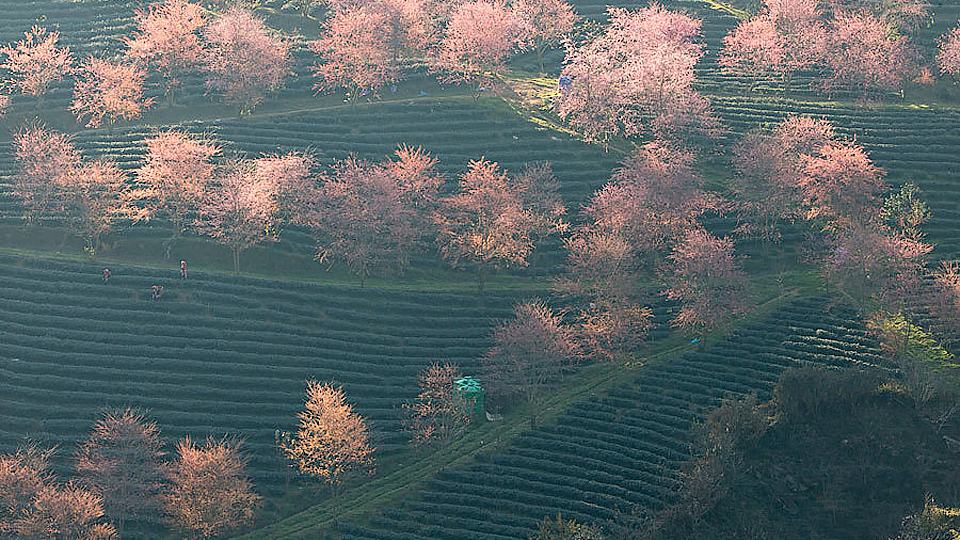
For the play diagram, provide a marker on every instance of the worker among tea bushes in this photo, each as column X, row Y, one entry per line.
column 106, row 275
column 183, row 269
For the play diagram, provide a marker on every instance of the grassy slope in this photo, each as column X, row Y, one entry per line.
column 460, row 131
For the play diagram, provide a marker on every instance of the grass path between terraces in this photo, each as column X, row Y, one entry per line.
column 402, row 475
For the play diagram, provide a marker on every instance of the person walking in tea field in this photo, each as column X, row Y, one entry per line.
column 106, row 276
column 157, row 292
column 183, row 269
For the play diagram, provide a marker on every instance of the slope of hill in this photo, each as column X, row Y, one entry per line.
column 613, row 452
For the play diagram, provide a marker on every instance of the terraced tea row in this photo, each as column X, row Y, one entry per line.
column 217, row 354
column 619, row 451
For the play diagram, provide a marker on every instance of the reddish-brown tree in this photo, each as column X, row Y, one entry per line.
column 479, row 38
column 786, row 37
column 863, row 56
column 210, row 493
column 109, row 90
column 240, row 209
column 705, row 275
column 371, row 214
column 612, row 327
column 177, row 169
column 244, row 62
column 949, row 55
column 44, row 157
column 945, row 300
column 99, row 199
column 35, row 62
column 547, row 23
column 637, row 76
column 168, row 38
column 332, row 440
column 530, row 353
column 485, row 224
column 121, row 461
column 438, row 413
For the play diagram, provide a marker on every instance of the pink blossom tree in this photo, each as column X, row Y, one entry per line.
column 355, row 52
column 530, row 353
column 841, row 185
column 786, row 37
column 35, row 62
column 547, row 23
column 371, row 214
column 865, row 57
column 296, row 191
column 485, row 223
column 867, row 262
column 44, row 157
column 949, row 56
column 706, row 277
column 479, row 38
column 239, row 209
column 637, row 76
column 244, row 62
column 99, row 199
column 168, row 38
column 177, row 168
column 769, row 166
column 109, row 90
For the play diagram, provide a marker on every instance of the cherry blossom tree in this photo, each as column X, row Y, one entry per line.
column 244, row 62
column 611, row 327
column 296, row 192
column 652, row 197
column 64, row 512
column 786, row 37
column 865, row 58
column 547, row 23
column 705, row 275
column 210, row 493
column 530, row 353
column 636, row 77
column 485, row 223
column 945, row 299
column 356, row 52
column 371, row 214
column 769, row 167
column 949, row 56
column 540, row 194
column 109, row 90
column 438, row 413
column 35, row 62
column 99, row 198
column 177, row 169
column 841, row 185
column 240, row 209
column 24, row 473
column 332, row 440
column 168, row 38
column 121, row 461
column 479, row 38
column 868, row 262
column 44, row 157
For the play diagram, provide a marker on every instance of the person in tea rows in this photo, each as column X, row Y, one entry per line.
column 106, row 275
column 157, row 292
column 183, row 269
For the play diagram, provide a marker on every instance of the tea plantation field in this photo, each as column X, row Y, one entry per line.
column 616, row 451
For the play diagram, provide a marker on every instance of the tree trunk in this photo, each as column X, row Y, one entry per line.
column 540, row 51
column 481, row 278
column 532, row 402
column 787, row 79
column 236, row 260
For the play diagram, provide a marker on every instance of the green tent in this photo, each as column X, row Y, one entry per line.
column 471, row 392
